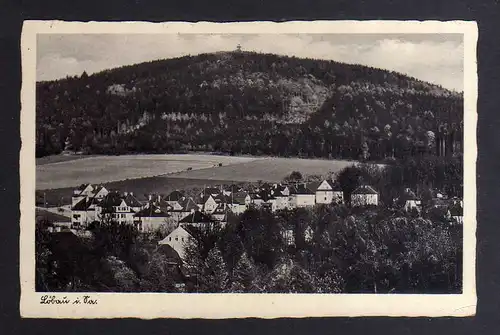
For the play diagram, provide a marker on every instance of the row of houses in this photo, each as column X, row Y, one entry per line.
column 94, row 202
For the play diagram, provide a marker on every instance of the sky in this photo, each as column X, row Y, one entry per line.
column 436, row 58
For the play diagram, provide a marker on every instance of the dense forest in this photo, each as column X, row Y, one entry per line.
column 335, row 250
column 248, row 103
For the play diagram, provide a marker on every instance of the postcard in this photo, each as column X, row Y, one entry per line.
column 248, row 169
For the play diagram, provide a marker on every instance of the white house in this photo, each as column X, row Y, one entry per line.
column 83, row 191
column 410, row 201
column 364, row 195
column 209, row 204
column 196, row 219
column 329, row 192
column 177, row 239
column 282, row 194
column 456, row 212
column 239, row 202
column 301, row 196
column 151, row 218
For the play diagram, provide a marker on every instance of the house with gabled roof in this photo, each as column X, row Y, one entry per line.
column 100, row 192
column 180, row 209
column 456, row 213
column 210, row 191
column 281, row 194
column 329, row 192
column 151, row 218
column 220, row 213
column 410, row 201
column 177, row 239
column 208, row 204
column 119, row 208
column 82, row 191
column 364, row 195
column 301, row 196
column 174, row 197
column 239, row 202
column 196, row 218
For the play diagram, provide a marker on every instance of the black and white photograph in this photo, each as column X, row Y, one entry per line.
column 188, row 162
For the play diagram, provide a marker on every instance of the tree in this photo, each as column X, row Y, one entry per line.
column 245, row 276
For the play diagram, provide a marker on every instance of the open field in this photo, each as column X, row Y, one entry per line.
column 270, row 169
column 103, row 169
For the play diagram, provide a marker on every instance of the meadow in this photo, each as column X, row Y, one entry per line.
column 269, row 169
column 104, row 169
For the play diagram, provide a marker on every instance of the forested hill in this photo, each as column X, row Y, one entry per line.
column 248, row 103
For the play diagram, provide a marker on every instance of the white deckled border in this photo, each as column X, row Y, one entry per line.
column 155, row 305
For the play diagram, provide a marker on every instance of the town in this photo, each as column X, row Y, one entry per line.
column 176, row 212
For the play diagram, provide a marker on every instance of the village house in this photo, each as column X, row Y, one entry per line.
column 118, row 208
column 301, row 196
column 409, row 201
column 177, row 239
column 174, row 197
column 456, row 213
column 239, row 202
column 181, row 209
column 220, row 213
column 208, row 204
column 196, row 219
column 151, row 218
column 364, row 195
column 281, row 193
column 329, row 192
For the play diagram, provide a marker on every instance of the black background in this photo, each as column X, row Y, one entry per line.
column 486, row 13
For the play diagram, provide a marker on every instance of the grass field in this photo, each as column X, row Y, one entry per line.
column 269, row 169
column 103, row 169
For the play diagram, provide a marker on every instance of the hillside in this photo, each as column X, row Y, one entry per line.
column 248, row 103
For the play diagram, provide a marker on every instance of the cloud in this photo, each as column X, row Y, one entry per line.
column 434, row 58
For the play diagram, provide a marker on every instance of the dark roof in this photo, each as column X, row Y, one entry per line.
column 81, row 205
column 300, row 189
column 279, row 189
column 409, row 195
column 132, row 201
column 210, row 190
column 188, row 204
column 313, row 186
column 82, row 187
column 98, row 188
column 456, row 210
column 239, row 198
column 196, row 217
column 365, row 189
column 174, row 196
column 111, row 199
column 151, row 211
